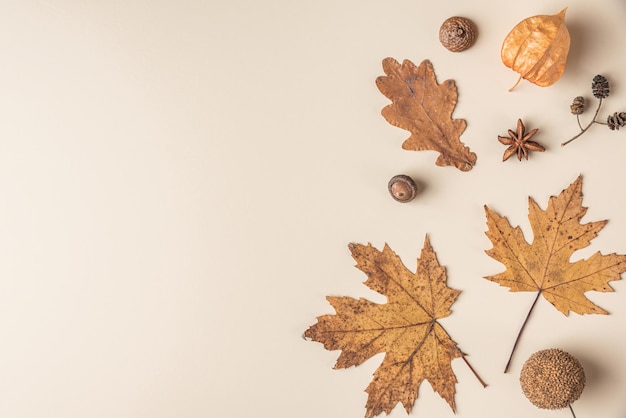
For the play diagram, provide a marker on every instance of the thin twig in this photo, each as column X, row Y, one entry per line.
column 583, row 130
column 519, row 334
column 572, row 409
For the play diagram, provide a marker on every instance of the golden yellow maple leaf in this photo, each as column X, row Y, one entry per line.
column 416, row 346
column 544, row 266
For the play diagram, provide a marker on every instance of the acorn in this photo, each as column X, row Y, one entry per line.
column 552, row 379
column 457, row 33
column 402, row 188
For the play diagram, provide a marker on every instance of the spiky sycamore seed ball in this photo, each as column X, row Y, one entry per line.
column 552, row 379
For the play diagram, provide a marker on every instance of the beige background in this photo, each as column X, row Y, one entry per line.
column 179, row 181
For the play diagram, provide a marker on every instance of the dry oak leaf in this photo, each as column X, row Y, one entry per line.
column 424, row 108
column 537, row 49
column 544, row 266
column 405, row 328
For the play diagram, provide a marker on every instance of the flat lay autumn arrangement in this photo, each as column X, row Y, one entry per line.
column 407, row 328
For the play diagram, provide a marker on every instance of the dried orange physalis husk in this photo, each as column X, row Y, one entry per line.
column 537, row 49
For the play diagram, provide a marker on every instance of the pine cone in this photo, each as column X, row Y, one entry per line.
column 616, row 120
column 578, row 105
column 600, row 87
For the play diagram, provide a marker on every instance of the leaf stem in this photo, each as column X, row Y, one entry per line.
column 519, row 334
column 482, row 382
column 572, row 409
column 516, row 83
column 583, row 130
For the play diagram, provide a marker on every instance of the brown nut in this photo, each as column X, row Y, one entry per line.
column 457, row 33
column 402, row 188
column 552, row 379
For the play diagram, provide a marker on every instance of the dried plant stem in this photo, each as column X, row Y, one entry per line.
column 519, row 334
column 572, row 409
column 579, row 124
column 583, row 130
column 482, row 382
column 516, row 83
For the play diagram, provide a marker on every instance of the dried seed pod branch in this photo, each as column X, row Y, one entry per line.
column 600, row 89
column 583, row 130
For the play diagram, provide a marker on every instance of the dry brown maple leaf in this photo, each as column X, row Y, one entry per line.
column 424, row 108
column 544, row 265
column 405, row 328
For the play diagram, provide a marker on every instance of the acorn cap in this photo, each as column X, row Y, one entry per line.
column 457, row 33
column 402, row 188
column 552, row 379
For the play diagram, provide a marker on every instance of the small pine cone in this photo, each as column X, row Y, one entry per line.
column 578, row 105
column 600, row 87
column 616, row 120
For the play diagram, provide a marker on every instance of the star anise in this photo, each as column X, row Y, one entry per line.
column 519, row 142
